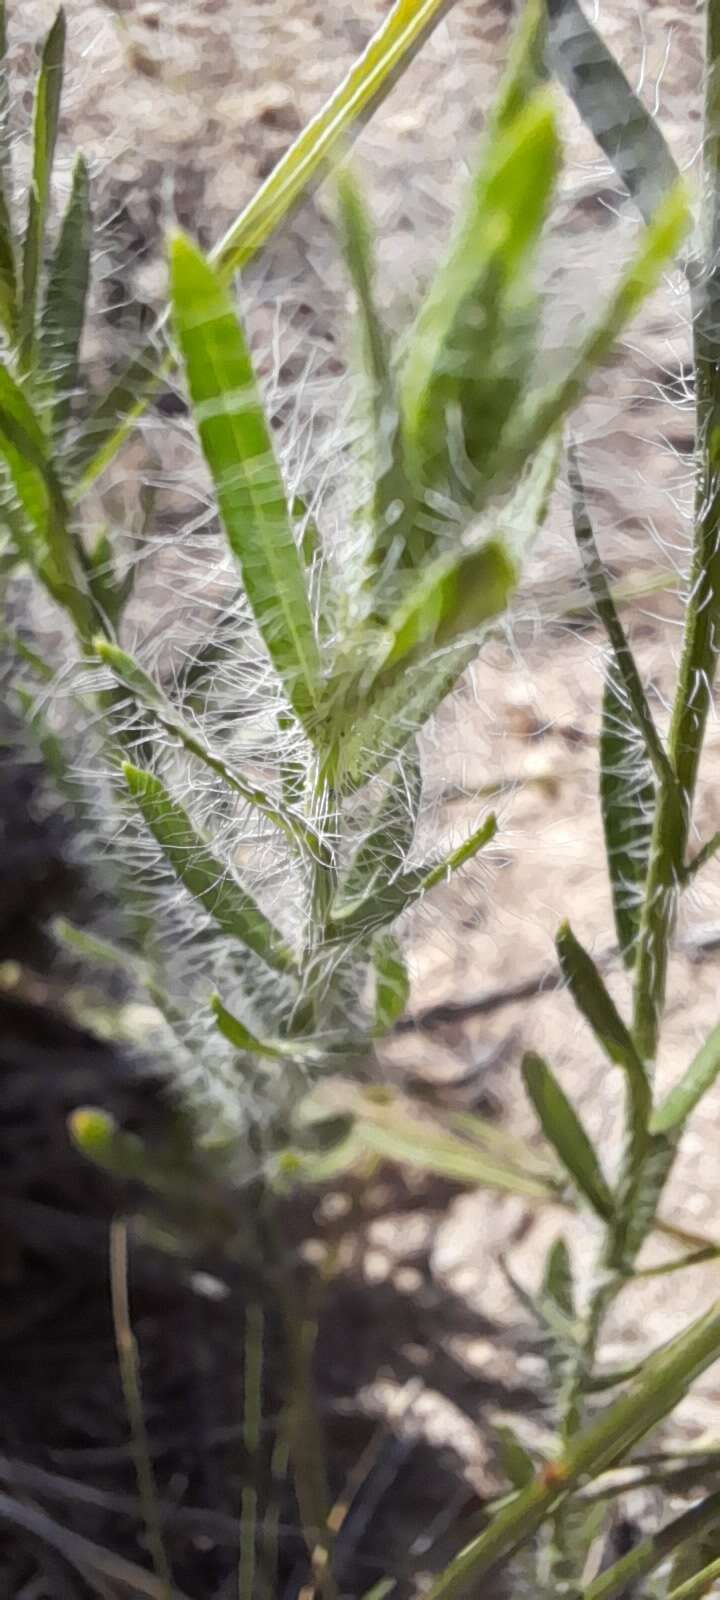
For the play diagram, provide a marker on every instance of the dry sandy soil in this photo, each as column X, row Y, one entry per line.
column 183, row 106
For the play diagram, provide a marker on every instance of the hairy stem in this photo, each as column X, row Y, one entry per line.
column 701, row 642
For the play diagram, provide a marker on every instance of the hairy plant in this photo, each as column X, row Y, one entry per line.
column 261, row 792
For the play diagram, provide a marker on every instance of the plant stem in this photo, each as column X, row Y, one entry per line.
column 648, row 1554
column 701, row 643
column 130, row 1377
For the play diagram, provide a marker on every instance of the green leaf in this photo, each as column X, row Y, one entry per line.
column 389, row 52
column 356, row 919
column 238, row 449
column 525, row 69
column 543, row 409
column 400, row 35
column 63, row 314
column 565, row 1132
column 113, row 417
column 516, row 1462
column 23, row 446
column 356, row 243
column 524, row 513
column 237, row 1034
column 395, row 1136
column 8, row 270
column 628, row 135
column 8, row 248
column 643, row 1181
column 151, row 698
column 705, row 854
column 88, row 945
column 626, row 668
column 519, row 1152
column 45, row 128
column 51, row 546
column 392, row 984
column 557, row 1283
column 401, row 709
column 397, row 714
column 673, row 1112
column 468, row 355
column 205, row 878
column 38, row 665
column 627, row 801
column 609, row 1438
column 384, row 849
column 390, row 491
column 240, row 1036
column 109, row 594
column 451, row 598
column 592, row 999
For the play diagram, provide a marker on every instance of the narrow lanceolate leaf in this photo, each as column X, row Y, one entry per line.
column 391, row 1134
column 516, row 1462
column 564, row 1131
column 8, row 255
column 151, row 698
column 557, row 1285
column 400, row 35
column 401, row 709
column 396, row 715
column 673, row 1112
column 92, row 948
column 524, row 513
column 23, row 447
column 357, row 919
column 115, row 414
column 525, row 69
column 640, row 1190
column 628, row 135
column 238, row 449
column 627, row 802
column 451, row 599
column 543, row 409
column 519, row 1152
column 63, row 313
column 468, row 355
column 599, row 1009
column 384, row 849
column 662, row 1383
column 8, row 270
column 624, row 659
column 206, row 879
column 392, row 984
column 356, row 241
column 45, row 128
column 241, row 1038
column 392, row 503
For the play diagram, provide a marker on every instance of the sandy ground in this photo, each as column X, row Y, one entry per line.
column 183, row 107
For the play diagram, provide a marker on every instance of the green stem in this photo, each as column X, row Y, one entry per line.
column 698, row 1585
column 650, row 1552
column 608, row 1439
column 701, row 643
